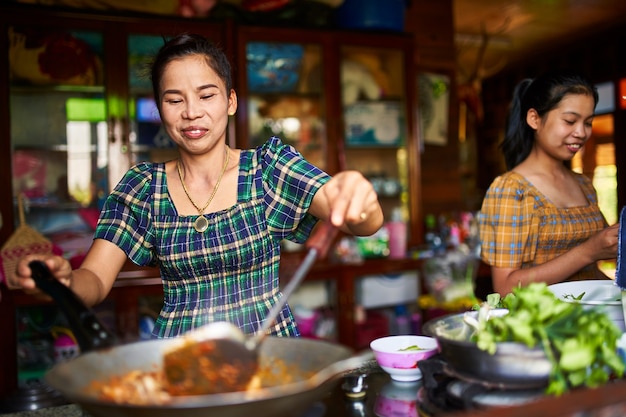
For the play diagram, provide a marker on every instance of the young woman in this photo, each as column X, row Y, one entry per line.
column 213, row 219
column 540, row 221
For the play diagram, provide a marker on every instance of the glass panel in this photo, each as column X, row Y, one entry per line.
column 148, row 141
column 44, row 338
column 36, row 342
column 58, row 131
column 597, row 161
column 372, row 81
column 285, row 98
column 606, row 97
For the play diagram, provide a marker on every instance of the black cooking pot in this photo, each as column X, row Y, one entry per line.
column 512, row 365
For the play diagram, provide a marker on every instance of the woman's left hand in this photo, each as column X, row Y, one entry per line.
column 349, row 201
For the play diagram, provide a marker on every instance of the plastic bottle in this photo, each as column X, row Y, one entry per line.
column 416, row 323
column 454, row 235
column 432, row 237
column 397, row 235
column 403, row 323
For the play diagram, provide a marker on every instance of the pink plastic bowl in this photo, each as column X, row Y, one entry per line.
column 402, row 364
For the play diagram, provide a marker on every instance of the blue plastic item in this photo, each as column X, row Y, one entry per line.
column 273, row 67
column 372, row 14
column 620, row 273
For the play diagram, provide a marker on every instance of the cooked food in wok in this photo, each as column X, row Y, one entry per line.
column 294, row 372
column 151, row 387
column 208, row 367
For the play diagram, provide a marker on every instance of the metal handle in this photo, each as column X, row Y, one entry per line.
column 318, row 245
column 90, row 333
column 335, row 369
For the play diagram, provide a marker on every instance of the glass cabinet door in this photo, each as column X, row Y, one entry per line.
column 375, row 128
column 143, row 134
column 59, row 160
column 283, row 96
column 148, row 141
column 59, row 131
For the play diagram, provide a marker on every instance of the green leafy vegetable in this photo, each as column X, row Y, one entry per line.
column 581, row 343
column 410, row 348
column 572, row 297
column 493, row 301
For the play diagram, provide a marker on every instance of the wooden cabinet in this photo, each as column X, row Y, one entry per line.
column 346, row 278
column 76, row 111
column 76, row 121
column 345, row 100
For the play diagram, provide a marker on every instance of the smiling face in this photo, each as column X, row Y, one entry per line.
column 563, row 131
column 195, row 104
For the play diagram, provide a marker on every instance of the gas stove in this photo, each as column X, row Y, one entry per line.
column 369, row 391
column 445, row 390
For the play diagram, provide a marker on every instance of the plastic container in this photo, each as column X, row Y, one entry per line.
column 403, row 322
column 376, row 325
column 382, row 290
column 397, row 236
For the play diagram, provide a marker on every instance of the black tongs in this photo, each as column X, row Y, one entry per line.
column 90, row 333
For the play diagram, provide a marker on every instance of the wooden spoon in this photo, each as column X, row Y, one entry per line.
column 219, row 357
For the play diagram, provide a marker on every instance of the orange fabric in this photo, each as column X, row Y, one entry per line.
column 521, row 228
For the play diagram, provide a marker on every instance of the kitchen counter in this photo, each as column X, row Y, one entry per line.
column 385, row 398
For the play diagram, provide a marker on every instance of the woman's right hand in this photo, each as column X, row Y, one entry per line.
column 21, row 278
column 603, row 245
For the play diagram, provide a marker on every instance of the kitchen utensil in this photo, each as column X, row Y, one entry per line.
column 218, row 357
column 513, row 365
column 314, row 367
column 620, row 272
column 89, row 332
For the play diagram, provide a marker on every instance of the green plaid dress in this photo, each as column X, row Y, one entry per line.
column 229, row 272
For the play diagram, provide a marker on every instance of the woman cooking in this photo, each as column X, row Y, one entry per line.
column 212, row 220
column 540, row 221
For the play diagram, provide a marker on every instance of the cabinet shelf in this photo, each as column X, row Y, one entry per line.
column 375, row 148
column 285, row 95
column 61, row 148
column 33, row 89
column 36, row 204
column 346, row 276
column 383, row 99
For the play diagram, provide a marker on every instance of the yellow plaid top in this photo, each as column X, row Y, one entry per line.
column 521, row 228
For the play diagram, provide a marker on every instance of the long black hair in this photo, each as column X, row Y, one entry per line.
column 543, row 94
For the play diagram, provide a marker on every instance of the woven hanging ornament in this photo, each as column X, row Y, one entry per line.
column 24, row 241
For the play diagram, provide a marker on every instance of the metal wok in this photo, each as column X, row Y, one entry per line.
column 512, row 365
column 316, row 364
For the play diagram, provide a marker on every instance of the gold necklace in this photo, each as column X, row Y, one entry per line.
column 201, row 223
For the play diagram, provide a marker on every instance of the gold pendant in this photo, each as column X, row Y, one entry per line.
column 201, row 224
